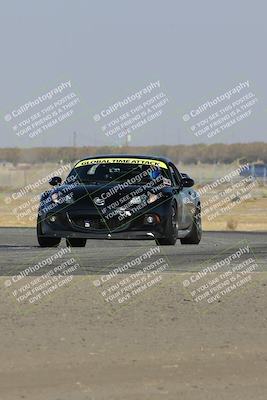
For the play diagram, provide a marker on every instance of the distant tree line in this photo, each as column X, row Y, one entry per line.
column 192, row 154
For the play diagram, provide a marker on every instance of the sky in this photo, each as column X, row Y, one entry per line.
column 159, row 62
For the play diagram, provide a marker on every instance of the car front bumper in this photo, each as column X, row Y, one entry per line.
column 69, row 222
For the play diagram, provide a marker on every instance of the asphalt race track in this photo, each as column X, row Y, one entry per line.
column 72, row 345
column 18, row 246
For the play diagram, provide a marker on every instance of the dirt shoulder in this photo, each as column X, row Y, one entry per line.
column 75, row 347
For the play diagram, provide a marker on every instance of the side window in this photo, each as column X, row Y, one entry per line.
column 175, row 175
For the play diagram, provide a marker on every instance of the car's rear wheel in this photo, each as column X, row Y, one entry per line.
column 45, row 241
column 76, row 242
column 195, row 235
column 171, row 229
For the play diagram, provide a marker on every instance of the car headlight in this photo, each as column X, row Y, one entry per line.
column 59, row 198
column 135, row 200
column 68, row 198
column 152, row 197
column 55, row 198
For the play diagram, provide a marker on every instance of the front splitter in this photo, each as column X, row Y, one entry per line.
column 130, row 235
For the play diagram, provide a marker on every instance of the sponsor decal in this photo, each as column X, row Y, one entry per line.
column 120, row 160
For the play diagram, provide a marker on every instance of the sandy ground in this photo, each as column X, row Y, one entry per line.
column 73, row 346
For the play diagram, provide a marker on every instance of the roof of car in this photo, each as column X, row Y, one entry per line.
column 153, row 157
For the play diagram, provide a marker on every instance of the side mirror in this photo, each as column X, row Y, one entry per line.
column 187, row 181
column 56, row 180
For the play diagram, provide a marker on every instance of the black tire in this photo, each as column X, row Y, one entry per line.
column 76, row 242
column 171, row 229
column 45, row 241
column 195, row 235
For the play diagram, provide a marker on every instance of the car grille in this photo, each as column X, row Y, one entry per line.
column 96, row 223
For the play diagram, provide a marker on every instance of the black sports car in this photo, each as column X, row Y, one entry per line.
column 120, row 197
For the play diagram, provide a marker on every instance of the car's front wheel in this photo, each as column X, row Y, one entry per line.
column 171, row 231
column 45, row 241
column 76, row 242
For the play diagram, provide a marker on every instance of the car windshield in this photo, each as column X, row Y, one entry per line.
column 134, row 174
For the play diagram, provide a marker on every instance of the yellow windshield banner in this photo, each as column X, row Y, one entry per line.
column 120, row 160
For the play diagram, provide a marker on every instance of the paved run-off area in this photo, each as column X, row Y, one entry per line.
column 161, row 344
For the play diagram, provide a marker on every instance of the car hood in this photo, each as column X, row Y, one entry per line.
column 106, row 194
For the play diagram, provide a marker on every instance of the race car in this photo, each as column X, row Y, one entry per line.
column 120, row 197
